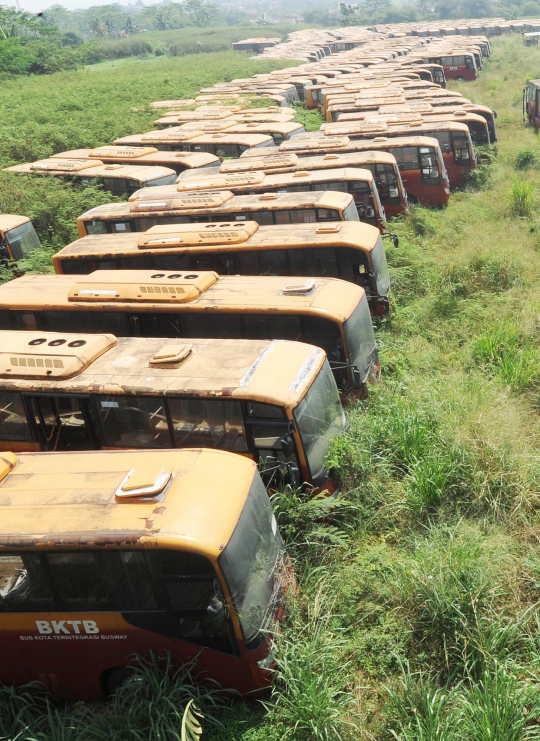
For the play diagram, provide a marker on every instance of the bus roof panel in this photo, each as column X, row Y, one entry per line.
column 68, row 500
column 258, row 370
column 333, row 297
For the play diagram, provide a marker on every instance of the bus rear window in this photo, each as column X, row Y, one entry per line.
column 95, row 227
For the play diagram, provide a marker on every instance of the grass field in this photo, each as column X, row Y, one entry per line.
column 417, row 618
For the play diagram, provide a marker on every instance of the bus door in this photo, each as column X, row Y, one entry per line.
column 61, row 422
column 272, row 439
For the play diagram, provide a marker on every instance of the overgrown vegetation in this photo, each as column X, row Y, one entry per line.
column 417, row 613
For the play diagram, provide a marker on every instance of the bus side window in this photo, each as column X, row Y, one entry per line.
column 318, row 261
column 330, row 214
column 272, row 326
column 201, row 324
column 133, row 422
column 248, row 263
column 13, row 422
column 24, row 585
column 324, row 333
column 80, row 581
column 304, row 216
column 264, row 218
column 95, row 227
column 273, row 262
column 91, row 322
column 268, row 425
column 222, row 263
column 212, row 423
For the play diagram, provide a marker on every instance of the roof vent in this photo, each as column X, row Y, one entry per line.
column 301, row 174
column 49, row 355
column 269, row 196
column 143, row 483
column 123, row 152
column 299, row 290
column 8, row 461
column 380, row 139
column 331, row 156
column 186, row 235
column 172, row 354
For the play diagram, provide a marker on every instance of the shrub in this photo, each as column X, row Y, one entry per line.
column 525, row 158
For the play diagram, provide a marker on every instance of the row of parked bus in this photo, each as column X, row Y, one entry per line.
column 192, row 352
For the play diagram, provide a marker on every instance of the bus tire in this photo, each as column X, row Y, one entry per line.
column 115, row 678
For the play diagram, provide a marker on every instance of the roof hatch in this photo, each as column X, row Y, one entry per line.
column 171, row 355
column 185, row 235
column 49, row 354
column 245, row 178
column 208, row 126
column 144, row 482
column 296, row 289
column 141, row 286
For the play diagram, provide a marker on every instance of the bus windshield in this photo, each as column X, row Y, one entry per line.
column 319, row 417
column 22, row 240
column 359, row 336
column 380, row 268
column 251, row 565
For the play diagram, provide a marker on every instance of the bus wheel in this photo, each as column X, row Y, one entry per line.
column 115, row 678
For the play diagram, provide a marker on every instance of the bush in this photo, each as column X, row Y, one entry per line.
column 525, row 158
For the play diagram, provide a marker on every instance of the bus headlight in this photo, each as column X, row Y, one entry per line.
column 268, row 662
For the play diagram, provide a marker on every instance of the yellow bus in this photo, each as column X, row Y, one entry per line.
column 120, row 180
column 351, row 251
column 358, row 182
column 274, row 401
column 221, row 144
column 171, row 118
column 132, row 552
column 382, row 165
column 110, row 155
column 330, row 313
column 269, row 208
column 18, row 239
column 420, row 160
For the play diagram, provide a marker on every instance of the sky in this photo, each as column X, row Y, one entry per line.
column 35, row 6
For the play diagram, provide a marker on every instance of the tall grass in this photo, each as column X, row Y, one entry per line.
column 521, row 198
column 312, row 696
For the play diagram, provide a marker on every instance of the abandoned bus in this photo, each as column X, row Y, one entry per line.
column 279, row 131
column 177, row 161
column 18, row 239
column 169, row 550
column 531, row 102
column 419, row 159
column 348, row 250
column 454, row 139
column 62, row 391
column 382, row 165
column 356, row 181
column 120, row 180
column 266, row 209
column 220, row 144
column 330, row 313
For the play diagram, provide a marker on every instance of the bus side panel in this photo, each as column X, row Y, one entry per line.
column 19, row 447
column 456, row 172
column 69, row 652
column 427, row 195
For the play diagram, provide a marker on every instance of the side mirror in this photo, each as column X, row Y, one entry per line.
column 287, row 446
column 357, row 379
column 494, row 114
column 396, row 240
column 294, row 476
